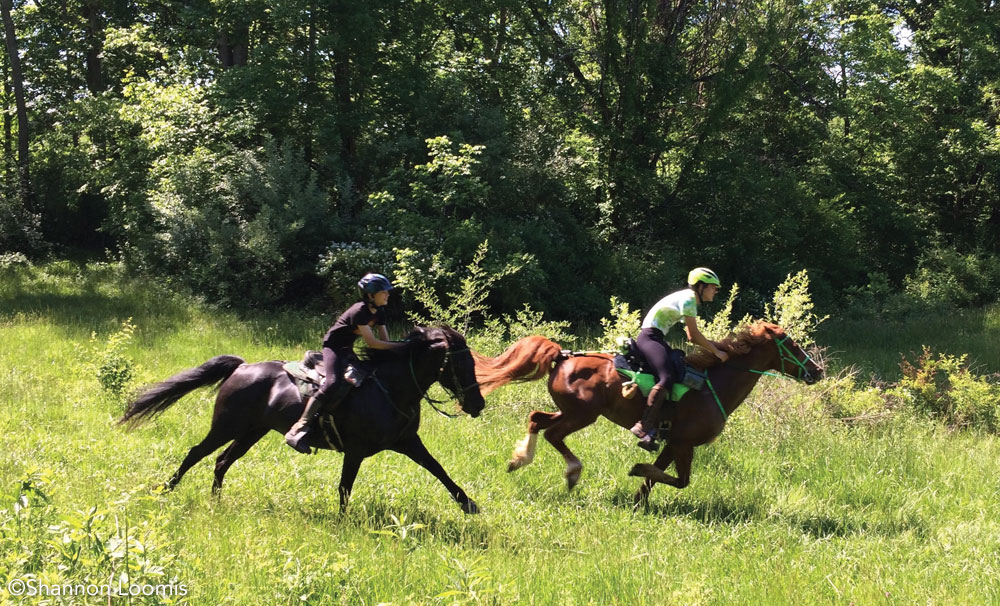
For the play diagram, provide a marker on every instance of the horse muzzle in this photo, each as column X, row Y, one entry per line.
column 811, row 378
column 472, row 406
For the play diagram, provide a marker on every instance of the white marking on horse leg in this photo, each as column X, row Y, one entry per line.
column 524, row 452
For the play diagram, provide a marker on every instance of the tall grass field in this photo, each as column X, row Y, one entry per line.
column 793, row 504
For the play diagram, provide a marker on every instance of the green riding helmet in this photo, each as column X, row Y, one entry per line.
column 703, row 274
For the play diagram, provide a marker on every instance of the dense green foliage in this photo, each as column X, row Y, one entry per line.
column 237, row 148
column 845, row 491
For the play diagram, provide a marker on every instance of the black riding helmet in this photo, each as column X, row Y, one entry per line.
column 373, row 283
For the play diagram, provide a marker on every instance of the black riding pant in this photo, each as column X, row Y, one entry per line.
column 657, row 353
column 335, row 362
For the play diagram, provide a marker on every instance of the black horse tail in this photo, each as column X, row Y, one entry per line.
column 159, row 397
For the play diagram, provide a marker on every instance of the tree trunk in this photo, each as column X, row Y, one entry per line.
column 8, row 127
column 345, row 118
column 310, row 89
column 95, row 46
column 24, row 181
column 233, row 47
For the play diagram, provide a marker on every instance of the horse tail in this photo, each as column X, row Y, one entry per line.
column 160, row 396
column 529, row 359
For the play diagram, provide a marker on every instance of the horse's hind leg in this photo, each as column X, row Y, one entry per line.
column 524, row 452
column 556, row 435
column 234, row 451
column 414, row 448
column 210, row 444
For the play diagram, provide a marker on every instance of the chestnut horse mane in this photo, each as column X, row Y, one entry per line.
column 532, row 357
column 736, row 344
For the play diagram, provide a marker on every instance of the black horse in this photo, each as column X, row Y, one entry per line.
column 381, row 414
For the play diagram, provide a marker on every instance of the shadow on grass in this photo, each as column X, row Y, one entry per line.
column 714, row 511
column 79, row 299
column 719, row 510
column 396, row 519
column 824, row 526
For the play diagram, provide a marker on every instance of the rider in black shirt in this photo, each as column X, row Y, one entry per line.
column 338, row 351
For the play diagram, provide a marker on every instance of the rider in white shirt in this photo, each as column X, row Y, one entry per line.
column 681, row 306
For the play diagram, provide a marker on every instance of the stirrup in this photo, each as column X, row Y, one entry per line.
column 648, row 443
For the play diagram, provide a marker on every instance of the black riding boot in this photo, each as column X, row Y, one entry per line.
column 296, row 437
column 646, row 428
column 321, row 402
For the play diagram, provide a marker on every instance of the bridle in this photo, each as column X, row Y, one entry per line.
column 459, row 393
column 787, row 356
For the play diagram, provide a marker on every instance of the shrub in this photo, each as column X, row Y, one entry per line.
column 791, row 308
column 622, row 321
column 460, row 306
column 844, row 398
column 236, row 227
column 20, row 229
column 721, row 323
column 943, row 387
column 433, row 206
column 343, row 264
column 14, row 260
column 498, row 333
column 945, row 278
column 108, row 362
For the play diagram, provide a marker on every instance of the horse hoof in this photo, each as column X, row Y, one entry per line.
column 637, row 471
column 515, row 464
column 470, row 507
column 573, row 476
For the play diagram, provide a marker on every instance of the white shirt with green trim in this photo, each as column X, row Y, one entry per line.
column 671, row 309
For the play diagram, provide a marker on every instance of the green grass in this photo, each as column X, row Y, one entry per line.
column 876, row 347
column 787, row 507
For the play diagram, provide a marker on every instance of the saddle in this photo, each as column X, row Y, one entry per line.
column 631, row 364
column 308, row 374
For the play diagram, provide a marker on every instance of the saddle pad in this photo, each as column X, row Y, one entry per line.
column 297, row 371
column 646, row 381
column 307, row 380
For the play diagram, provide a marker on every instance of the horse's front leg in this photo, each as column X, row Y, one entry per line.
column 349, row 472
column 682, row 456
column 414, row 448
column 661, row 463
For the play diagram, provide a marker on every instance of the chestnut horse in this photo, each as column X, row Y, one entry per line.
column 585, row 387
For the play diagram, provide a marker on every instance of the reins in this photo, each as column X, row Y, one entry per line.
column 786, row 356
column 460, row 394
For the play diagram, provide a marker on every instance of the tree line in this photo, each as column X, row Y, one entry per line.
column 259, row 152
